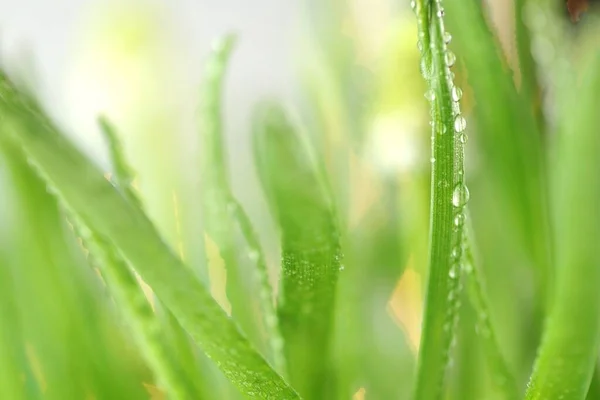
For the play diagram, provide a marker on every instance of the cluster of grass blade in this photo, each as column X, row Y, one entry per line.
column 117, row 223
column 120, row 238
column 328, row 335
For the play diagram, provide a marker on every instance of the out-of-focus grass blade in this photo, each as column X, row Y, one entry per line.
column 151, row 337
column 569, row 349
column 132, row 300
column 371, row 350
column 529, row 89
column 300, row 201
column 123, row 173
column 449, row 196
column 113, row 219
column 12, row 367
column 502, row 378
column 145, row 326
column 67, row 351
column 222, row 212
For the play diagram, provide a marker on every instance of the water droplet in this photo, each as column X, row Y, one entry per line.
column 459, row 220
column 447, row 37
column 456, row 93
column 455, row 254
column 460, row 196
column 441, row 12
column 463, row 138
column 450, row 58
column 430, row 95
column 432, row 159
column 452, row 273
column 342, row 267
column 460, row 123
column 420, row 45
column 413, row 5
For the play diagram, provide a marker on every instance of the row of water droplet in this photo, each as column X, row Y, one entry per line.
column 460, row 193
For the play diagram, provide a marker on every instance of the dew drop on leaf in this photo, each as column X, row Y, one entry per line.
column 456, row 93
column 459, row 220
column 447, row 37
column 460, row 123
column 450, row 58
column 430, row 95
column 460, row 196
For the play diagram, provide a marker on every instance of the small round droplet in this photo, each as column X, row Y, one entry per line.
column 450, row 58
column 432, row 160
column 430, row 95
column 456, row 93
column 441, row 12
column 447, row 37
column 413, row 5
column 460, row 196
column 420, row 45
column 455, row 254
column 342, row 267
column 460, row 124
column 463, row 138
column 452, row 273
column 459, row 220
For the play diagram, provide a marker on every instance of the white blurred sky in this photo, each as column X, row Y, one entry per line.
column 261, row 66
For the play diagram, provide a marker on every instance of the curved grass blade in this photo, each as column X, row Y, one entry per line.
column 113, row 219
column 569, row 349
column 502, row 377
column 222, row 212
column 449, row 196
column 123, row 172
column 295, row 188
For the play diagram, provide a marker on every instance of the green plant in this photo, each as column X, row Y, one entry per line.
column 512, row 272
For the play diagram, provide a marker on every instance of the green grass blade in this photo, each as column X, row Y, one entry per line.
column 300, row 201
column 11, row 347
column 569, row 348
column 448, row 198
column 529, row 85
column 509, row 135
column 112, row 218
column 502, row 378
column 222, row 213
column 123, row 172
